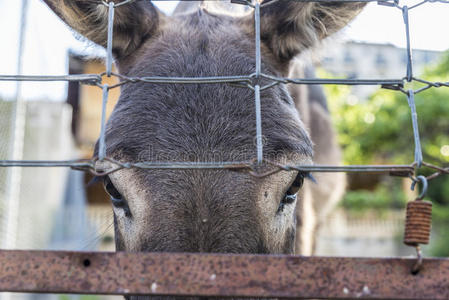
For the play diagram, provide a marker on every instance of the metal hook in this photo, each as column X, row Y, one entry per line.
column 418, row 265
column 425, row 185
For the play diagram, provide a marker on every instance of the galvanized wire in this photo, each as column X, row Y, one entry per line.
column 97, row 168
column 251, row 81
column 414, row 115
column 259, row 136
column 111, row 9
column 409, row 49
column 90, row 79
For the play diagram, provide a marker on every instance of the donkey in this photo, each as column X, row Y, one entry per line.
column 205, row 210
column 317, row 201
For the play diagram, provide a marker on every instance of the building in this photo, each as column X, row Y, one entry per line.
column 361, row 60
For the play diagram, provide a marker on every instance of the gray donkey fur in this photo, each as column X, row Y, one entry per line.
column 214, row 210
column 319, row 198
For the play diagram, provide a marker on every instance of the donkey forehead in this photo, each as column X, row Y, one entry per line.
column 211, row 122
column 175, row 122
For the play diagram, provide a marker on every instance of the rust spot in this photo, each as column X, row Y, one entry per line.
column 86, row 262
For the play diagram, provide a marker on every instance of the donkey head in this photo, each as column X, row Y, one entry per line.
column 204, row 210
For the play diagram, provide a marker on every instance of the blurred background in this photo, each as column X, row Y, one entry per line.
column 44, row 208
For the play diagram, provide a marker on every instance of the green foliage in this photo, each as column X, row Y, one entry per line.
column 83, row 297
column 440, row 240
column 440, row 243
column 379, row 130
column 384, row 197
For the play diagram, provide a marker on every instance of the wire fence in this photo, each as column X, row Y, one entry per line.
column 387, row 279
column 253, row 82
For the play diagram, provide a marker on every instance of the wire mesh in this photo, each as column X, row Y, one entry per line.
column 251, row 81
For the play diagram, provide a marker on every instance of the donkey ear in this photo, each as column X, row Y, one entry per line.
column 289, row 27
column 133, row 22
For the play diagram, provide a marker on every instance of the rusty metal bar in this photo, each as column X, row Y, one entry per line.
column 222, row 275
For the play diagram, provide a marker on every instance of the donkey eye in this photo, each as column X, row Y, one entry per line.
column 110, row 188
column 288, row 199
column 117, row 199
column 290, row 195
column 297, row 184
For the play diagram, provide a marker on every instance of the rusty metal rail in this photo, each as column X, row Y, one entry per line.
column 222, row 275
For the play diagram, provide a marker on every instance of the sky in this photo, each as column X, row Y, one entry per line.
column 48, row 40
column 381, row 24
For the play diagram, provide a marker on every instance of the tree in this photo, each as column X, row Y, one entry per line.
column 379, row 130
